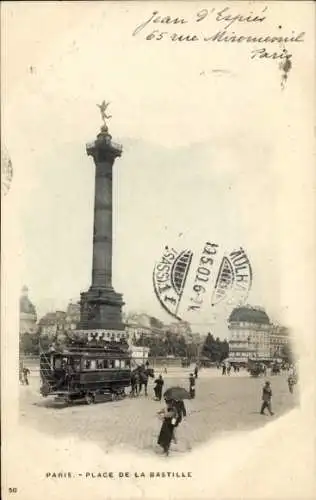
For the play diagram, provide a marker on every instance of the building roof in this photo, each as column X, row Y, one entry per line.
column 248, row 314
column 26, row 306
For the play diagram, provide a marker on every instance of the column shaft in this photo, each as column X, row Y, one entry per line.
column 102, row 233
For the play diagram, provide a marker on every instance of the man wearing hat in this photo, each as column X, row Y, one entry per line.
column 192, row 386
column 266, row 398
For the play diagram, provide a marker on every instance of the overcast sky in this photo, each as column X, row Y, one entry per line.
column 205, row 152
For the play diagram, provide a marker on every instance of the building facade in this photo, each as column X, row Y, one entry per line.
column 143, row 325
column 250, row 329
column 52, row 323
column 279, row 339
column 72, row 318
column 28, row 316
column 60, row 321
column 180, row 329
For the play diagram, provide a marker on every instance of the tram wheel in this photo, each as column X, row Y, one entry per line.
column 89, row 399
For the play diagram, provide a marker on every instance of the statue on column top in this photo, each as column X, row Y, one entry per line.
column 104, row 116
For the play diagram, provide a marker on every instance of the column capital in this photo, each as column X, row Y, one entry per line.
column 103, row 148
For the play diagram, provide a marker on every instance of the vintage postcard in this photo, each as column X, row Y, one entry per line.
column 158, row 250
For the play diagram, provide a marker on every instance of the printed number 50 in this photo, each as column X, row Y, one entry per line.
column 13, row 490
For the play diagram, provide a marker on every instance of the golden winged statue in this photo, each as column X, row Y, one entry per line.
column 103, row 107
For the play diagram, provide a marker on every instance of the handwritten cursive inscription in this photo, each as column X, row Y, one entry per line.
column 158, row 28
column 228, row 19
column 264, row 54
column 156, row 18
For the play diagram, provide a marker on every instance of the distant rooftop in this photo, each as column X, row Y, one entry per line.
column 249, row 314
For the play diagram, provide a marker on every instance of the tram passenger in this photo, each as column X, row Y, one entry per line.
column 69, row 373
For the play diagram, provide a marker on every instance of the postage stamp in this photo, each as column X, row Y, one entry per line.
column 188, row 282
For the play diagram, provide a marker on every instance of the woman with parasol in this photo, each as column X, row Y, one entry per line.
column 174, row 397
column 169, row 416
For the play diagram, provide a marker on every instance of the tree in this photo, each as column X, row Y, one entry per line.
column 287, row 353
column 208, row 346
column 29, row 343
column 224, row 350
column 215, row 349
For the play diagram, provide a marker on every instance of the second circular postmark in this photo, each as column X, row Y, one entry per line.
column 189, row 282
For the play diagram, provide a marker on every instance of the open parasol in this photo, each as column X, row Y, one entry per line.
column 176, row 393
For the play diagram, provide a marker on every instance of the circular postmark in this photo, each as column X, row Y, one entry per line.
column 6, row 172
column 188, row 283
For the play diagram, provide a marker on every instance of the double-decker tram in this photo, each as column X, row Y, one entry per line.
column 86, row 368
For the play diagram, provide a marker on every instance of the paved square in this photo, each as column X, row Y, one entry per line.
column 222, row 404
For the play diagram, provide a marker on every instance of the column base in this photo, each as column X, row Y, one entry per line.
column 101, row 308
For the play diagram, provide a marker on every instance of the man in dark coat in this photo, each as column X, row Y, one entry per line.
column 158, row 387
column 134, row 384
column 192, row 386
column 266, row 399
column 181, row 412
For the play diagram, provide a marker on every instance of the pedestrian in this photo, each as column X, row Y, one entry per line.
column 223, row 369
column 266, row 398
column 21, row 372
column 26, row 372
column 134, row 384
column 192, row 386
column 169, row 416
column 196, row 371
column 159, row 382
column 181, row 412
column 291, row 382
column 229, row 367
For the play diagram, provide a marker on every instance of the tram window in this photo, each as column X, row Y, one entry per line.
column 93, row 364
column 76, row 364
column 117, row 363
column 86, row 364
column 100, row 364
column 127, row 363
column 57, row 363
column 111, row 363
column 105, row 363
column 122, row 363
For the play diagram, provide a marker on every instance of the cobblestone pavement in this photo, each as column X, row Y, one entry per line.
column 222, row 404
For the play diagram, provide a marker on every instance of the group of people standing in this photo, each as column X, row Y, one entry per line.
column 227, row 367
column 139, row 379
